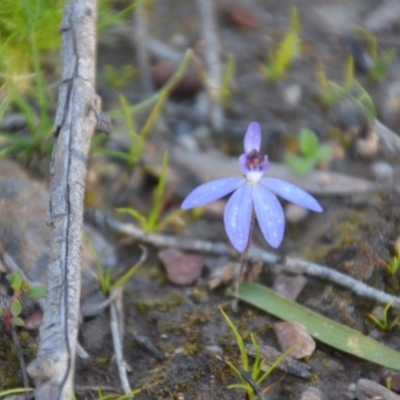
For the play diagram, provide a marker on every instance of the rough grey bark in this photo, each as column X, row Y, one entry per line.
column 76, row 119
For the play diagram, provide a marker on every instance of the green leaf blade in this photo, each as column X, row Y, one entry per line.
column 321, row 328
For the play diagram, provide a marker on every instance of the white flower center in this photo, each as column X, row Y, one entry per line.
column 254, row 176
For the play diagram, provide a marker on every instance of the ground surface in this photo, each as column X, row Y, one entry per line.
column 175, row 337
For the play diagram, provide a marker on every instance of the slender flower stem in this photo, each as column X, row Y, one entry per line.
column 241, row 270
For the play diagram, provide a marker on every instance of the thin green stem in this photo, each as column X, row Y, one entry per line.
column 240, row 272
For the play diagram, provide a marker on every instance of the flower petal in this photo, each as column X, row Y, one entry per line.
column 211, row 191
column 292, row 193
column 269, row 214
column 252, row 139
column 237, row 216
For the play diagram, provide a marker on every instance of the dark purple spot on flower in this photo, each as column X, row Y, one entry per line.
column 254, row 160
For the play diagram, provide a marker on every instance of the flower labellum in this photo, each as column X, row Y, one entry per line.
column 252, row 192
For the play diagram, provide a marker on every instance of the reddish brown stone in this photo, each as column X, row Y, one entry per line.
column 188, row 85
column 294, row 334
column 242, row 18
column 182, row 269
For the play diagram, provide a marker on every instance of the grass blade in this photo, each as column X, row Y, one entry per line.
column 321, row 328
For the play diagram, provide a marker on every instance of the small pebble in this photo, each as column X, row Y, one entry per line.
column 34, row 320
column 294, row 334
column 295, row 213
column 292, row 95
column 351, row 391
column 312, row 393
column 367, row 147
column 188, row 142
column 182, row 269
column 391, row 104
column 367, row 389
column 214, row 349
column 383, row 172
column 242, row 18
column 289, row 286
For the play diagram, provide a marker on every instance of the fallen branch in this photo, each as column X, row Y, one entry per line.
column 78, row 114
column 292, row 265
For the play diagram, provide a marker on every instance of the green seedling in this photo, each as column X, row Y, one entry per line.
column 388, row 383
column 393, row 265
column 330, row 93
column 384, row 323
column 20, row 287
column 107, row 284
column 153, row 222
column 118, row 78
column 250, row 376
column 30, row 31
column 227, row 82
column 279, row 60
column 137, row 139
column 323, row 329
column 311, row 152
column 380, row 60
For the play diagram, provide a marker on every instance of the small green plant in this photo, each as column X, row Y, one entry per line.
column 384, row 323
column 30, row 31
column 311, row 153
column 255, row 372
column 137, row 139
column 104, row 274
column 20, row 287
column 279, row 60
column 380, row 60
column 153, row 222
column 227, row 80
column 329, row 93
column 118, row 78
column 393, row 265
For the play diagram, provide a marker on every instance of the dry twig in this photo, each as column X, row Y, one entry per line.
column 78, row 114
column 21, row 360
column 292, row 265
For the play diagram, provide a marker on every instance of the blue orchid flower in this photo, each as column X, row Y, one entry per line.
column 252, row 193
